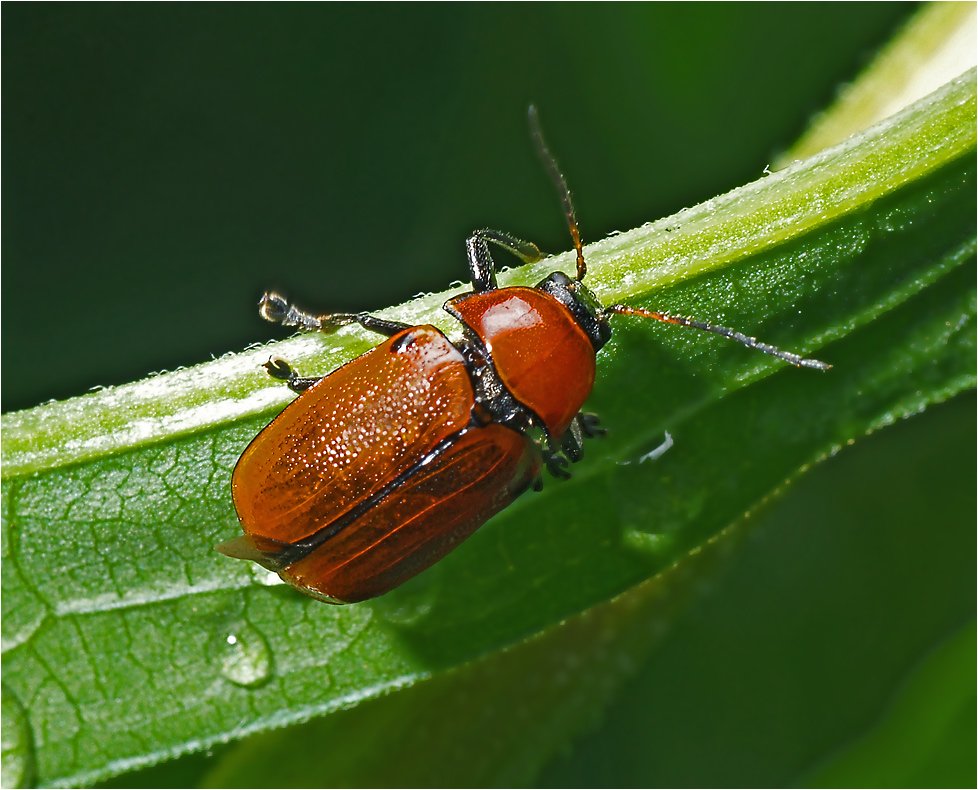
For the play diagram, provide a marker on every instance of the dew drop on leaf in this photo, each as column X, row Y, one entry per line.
column 245, row 657
column 653, row 544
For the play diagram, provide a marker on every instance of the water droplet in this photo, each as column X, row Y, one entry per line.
column 245, row 657
column 654, row 544
column 651, row 505
column 16, row 743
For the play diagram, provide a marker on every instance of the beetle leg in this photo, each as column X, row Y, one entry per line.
column 481, row 265
column 572, row 442
column 590, row 425
column 556, row 464
column 584, row 426
column 536, row 447
column 279, row 369
column 554, row 453
column 553, row 456
column 279, row 310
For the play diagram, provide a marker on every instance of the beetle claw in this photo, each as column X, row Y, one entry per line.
column 590, row 425
column 556, row 465
column 279, row 369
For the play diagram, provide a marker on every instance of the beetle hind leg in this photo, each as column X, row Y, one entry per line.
column 279, row 310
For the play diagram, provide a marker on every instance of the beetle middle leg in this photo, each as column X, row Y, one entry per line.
column 279, row 369
column 279, row 310
column 481, row 264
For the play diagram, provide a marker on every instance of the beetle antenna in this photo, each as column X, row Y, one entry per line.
column 750, row 342
column 561, row 183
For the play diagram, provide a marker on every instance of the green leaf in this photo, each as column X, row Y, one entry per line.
column 127, row 640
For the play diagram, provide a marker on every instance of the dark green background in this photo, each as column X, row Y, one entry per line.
column 164, row 164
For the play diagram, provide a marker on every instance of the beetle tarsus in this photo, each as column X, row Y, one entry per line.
column 590, row 425
column 556, row 464
column 279, row 369
column 481, row 265
column 276, row 308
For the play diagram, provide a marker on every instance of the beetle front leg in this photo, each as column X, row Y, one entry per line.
column 279, row 310
column 590, row 425
column 481, row 265
column 584, row 426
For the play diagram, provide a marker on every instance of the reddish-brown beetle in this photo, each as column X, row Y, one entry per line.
column 380, row 469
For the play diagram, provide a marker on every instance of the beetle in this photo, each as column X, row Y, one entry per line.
column 381, row 468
